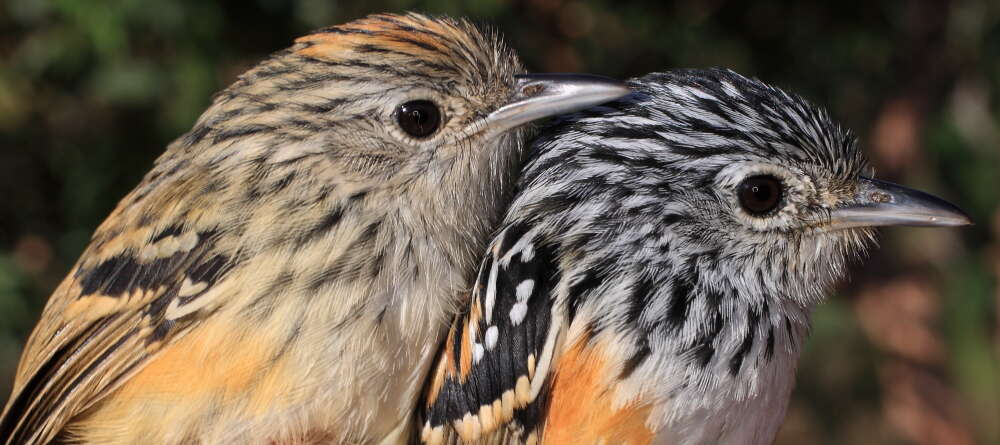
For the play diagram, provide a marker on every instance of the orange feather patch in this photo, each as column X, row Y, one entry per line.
column 207, row 364
column 581, row 408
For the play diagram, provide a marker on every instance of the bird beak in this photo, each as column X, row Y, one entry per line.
column 880, row 203
column 538, row 96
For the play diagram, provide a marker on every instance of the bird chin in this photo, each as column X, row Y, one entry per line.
column 851, row 244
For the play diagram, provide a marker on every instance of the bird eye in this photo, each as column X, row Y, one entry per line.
column 760, row 195
column 418, row 118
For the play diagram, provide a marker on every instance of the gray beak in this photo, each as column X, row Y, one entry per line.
column 879, row 203
column 538, row 96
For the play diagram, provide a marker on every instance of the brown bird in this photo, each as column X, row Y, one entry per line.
column 284, row 272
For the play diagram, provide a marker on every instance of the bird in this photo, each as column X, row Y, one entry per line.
column 652, row 281
column 283, row 272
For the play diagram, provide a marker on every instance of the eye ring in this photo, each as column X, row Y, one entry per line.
column 760, row 195
column 418, row 118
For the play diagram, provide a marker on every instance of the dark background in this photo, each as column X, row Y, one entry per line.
column 905, row 353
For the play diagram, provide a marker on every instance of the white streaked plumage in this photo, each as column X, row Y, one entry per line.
column 698, row 308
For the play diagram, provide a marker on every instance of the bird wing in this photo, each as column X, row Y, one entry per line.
column 133, row 293
column 491, row 375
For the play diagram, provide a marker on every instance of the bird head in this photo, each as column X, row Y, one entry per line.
column 389, row 99
column 726, row 182
column 424, row 115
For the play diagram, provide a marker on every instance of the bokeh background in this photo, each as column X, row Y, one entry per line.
column 905, row 353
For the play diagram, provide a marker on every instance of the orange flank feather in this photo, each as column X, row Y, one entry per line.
column 582, row 408
column 208, row 367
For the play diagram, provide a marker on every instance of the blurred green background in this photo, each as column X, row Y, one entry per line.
column 905, row 353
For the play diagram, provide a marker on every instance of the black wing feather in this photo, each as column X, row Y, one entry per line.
column 497, row 345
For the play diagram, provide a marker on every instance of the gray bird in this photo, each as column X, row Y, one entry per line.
column 653, row 280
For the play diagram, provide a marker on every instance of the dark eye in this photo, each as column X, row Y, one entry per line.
column 418, row 118
column 760, row 195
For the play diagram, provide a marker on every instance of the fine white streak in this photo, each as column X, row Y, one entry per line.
column 547, row 353
column 491, row 291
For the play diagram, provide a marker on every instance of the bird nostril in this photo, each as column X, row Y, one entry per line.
column 532, row 90
column 880, row 197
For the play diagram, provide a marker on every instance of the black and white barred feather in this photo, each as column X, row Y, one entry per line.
column 626, row 248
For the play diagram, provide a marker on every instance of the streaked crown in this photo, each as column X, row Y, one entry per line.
column 673, row 164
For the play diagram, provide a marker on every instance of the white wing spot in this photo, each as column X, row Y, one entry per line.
column 491, row 337
column 524, row 289
column 477, row 352
column 517, row 313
